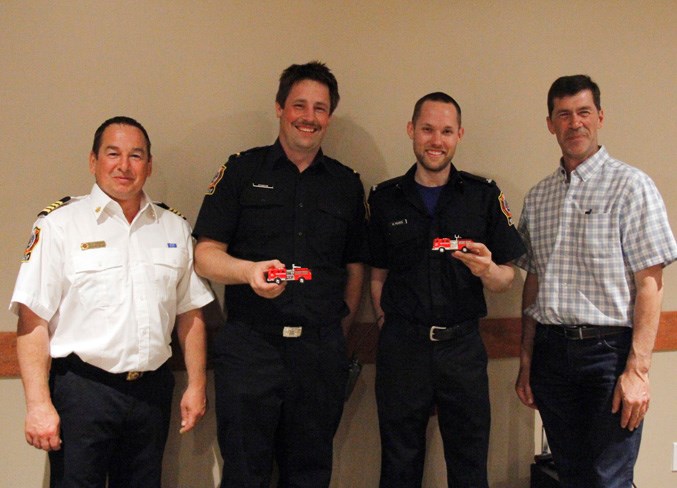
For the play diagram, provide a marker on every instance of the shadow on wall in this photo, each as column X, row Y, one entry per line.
column 45, row 476
column 352, row 145
column 196, row 157
column 192, row 459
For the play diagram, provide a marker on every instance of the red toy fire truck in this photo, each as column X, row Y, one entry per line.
column 443, row 244
column 295, row 273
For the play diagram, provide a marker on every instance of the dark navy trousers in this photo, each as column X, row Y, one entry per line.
column 278, row 400
column 111, row 429
column 415, row 375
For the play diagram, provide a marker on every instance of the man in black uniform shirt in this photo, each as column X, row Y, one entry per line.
column 281, row 364
column 428, row 302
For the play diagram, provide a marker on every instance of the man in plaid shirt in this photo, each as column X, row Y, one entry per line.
column 598, row 237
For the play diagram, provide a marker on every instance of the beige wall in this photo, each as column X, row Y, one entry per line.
column 201, row 77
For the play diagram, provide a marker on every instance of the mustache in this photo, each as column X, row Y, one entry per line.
column 306, row 123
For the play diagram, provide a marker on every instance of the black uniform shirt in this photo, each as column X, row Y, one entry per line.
column 426, row 286
column 264, row 208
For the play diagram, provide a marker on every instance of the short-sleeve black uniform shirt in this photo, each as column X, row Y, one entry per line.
column 264, row 208
column 426, row 286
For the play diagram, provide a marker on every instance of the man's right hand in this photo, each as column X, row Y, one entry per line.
column 523, row 388
column 257, row 279
column 43, row 427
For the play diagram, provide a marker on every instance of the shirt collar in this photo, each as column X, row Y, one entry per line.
column 589, row 167
column 99, row 201
column 454, row 176
column 276, row 156
column 408, row 186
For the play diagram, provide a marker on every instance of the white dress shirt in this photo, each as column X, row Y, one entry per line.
column 110, row 290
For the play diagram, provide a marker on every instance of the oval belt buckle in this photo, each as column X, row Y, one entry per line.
column 134, row 375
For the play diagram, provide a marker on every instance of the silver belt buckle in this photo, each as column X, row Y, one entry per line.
column 291, row 332
column 575, row 333
column 134, row 375
column 432, row 332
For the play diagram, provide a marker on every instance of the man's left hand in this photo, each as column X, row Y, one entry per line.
column 495, row 277
column 631, row 397
column 477, row 259
column 193, row 408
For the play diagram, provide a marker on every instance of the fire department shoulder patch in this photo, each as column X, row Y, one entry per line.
column 505, row 209
column 32, row 242
column 215, row 181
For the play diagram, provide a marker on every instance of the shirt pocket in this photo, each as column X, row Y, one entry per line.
column 167, row 267
column 262, row 212
column 466, row 225
column 98, row 278
column 596, row 234
column 332, row 217
column 327, row 225
column 404, row 245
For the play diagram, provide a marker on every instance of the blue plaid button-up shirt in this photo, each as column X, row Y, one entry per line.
column 587, row 237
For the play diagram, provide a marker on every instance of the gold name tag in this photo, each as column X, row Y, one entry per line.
column 92, row 245
column 292, row 332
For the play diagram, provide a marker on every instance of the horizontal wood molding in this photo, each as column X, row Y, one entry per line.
column 8, row 363
column 501, row 337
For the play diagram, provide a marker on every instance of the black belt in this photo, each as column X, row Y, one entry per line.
column 580, row 332
column 73, row 363
column 293, row 329
column 438, row 333
column 290, row 331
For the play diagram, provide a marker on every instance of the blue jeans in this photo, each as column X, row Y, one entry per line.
column 573, row 383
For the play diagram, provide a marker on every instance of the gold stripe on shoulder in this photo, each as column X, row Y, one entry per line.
column 171, row 209
column 50, row 208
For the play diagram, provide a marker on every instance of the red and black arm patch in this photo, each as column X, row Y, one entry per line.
column 32, row 242
column 505, row 209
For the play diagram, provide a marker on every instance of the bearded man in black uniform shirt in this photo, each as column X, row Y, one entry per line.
column 428, row 303
column 281, row 363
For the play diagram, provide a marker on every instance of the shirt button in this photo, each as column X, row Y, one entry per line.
column 301, row 205
column 300, row 234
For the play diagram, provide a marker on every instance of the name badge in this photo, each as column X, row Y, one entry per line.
column 92, row 245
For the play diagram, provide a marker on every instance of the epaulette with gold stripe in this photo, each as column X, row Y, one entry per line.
column 50, row 208
column 171, row 209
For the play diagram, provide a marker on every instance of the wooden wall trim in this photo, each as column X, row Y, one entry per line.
column 501, row 337
column 8, row 363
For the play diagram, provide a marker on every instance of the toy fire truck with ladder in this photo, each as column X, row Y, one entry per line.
column 295, row 273
column 443, row 244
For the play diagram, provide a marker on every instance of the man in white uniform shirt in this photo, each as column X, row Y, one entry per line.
column 101, row 284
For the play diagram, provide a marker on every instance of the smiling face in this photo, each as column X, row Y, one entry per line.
column 435, row 135
column 304, row 119
column 122, row 164
column 575, row 121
